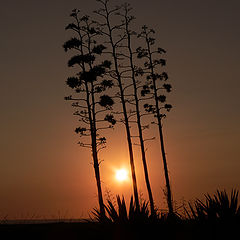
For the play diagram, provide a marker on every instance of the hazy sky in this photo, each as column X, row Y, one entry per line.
column 43, row 172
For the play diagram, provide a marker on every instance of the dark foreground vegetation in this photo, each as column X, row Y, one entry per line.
column 217, row 217
column 180, row 230
column 93, row 230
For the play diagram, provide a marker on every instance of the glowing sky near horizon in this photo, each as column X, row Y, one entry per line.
column 43, row 168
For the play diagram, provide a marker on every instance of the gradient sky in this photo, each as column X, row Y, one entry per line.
column 44, row 173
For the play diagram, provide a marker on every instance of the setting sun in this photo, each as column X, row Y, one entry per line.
column 121, row 175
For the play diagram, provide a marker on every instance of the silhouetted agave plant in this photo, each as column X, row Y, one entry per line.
column 118, row 213
column 220, row 206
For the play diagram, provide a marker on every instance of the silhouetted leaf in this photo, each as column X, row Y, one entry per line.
column 149, row 77
column 151, row 41
column 139, row 71
column 147, row 65
column 164, row 76
column 161, row 116
column 84, row 18
column 168, row 87
column 154, row 76
column 78, row 90
column 149, row 108
column 107, row 84
column 144, row 92
column 98, row 70
column 74, row 12
column 102, row 140
column 73, row 82
column 92, row 30
column 72, row 26
column 80, row 130
column 161, row 50
column 152, row 31
column 68, row 98
column 88, row 76
column 145, row 87
column 162, row 62
column 168, row 107
column 106, row 64
column 98, row 89
column 98, row 49
column 72, row 43
column 141, row 52
column 161, row 98
column 79, row 59
column 106, row 101
column 110, row 118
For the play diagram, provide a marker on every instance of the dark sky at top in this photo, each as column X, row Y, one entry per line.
column 37, row 145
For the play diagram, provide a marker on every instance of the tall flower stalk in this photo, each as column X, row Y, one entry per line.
column 153, row 86
column 87, row 86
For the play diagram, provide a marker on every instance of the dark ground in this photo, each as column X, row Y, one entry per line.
column 89, row 230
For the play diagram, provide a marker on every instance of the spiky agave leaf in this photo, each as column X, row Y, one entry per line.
column 97, row 215
column 112, row 211
column 217, row 207
column 144, row 208
column 132, row 210
column 122, row 210
column 227, row 207
column 234, row 201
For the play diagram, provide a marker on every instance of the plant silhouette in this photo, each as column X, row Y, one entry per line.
column 132, row 75
column 119, row 214
column 110, row 32
column 219, row 207
column 152, row 87
column 87, row 86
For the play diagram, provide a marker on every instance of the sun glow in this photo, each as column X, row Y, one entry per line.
column 121, row 175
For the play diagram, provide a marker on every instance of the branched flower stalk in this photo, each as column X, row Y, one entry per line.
column 134, row 71
column 87, row 86
column 153, row 86
column 110, row 32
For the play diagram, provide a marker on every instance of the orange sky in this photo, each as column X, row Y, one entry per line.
column 44, row 173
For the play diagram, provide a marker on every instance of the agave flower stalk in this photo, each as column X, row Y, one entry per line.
column 129, row 33
column 87, row 86
column 152, row 87
column 108, row 30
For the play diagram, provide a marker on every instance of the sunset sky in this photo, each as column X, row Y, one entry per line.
column 44, row 173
